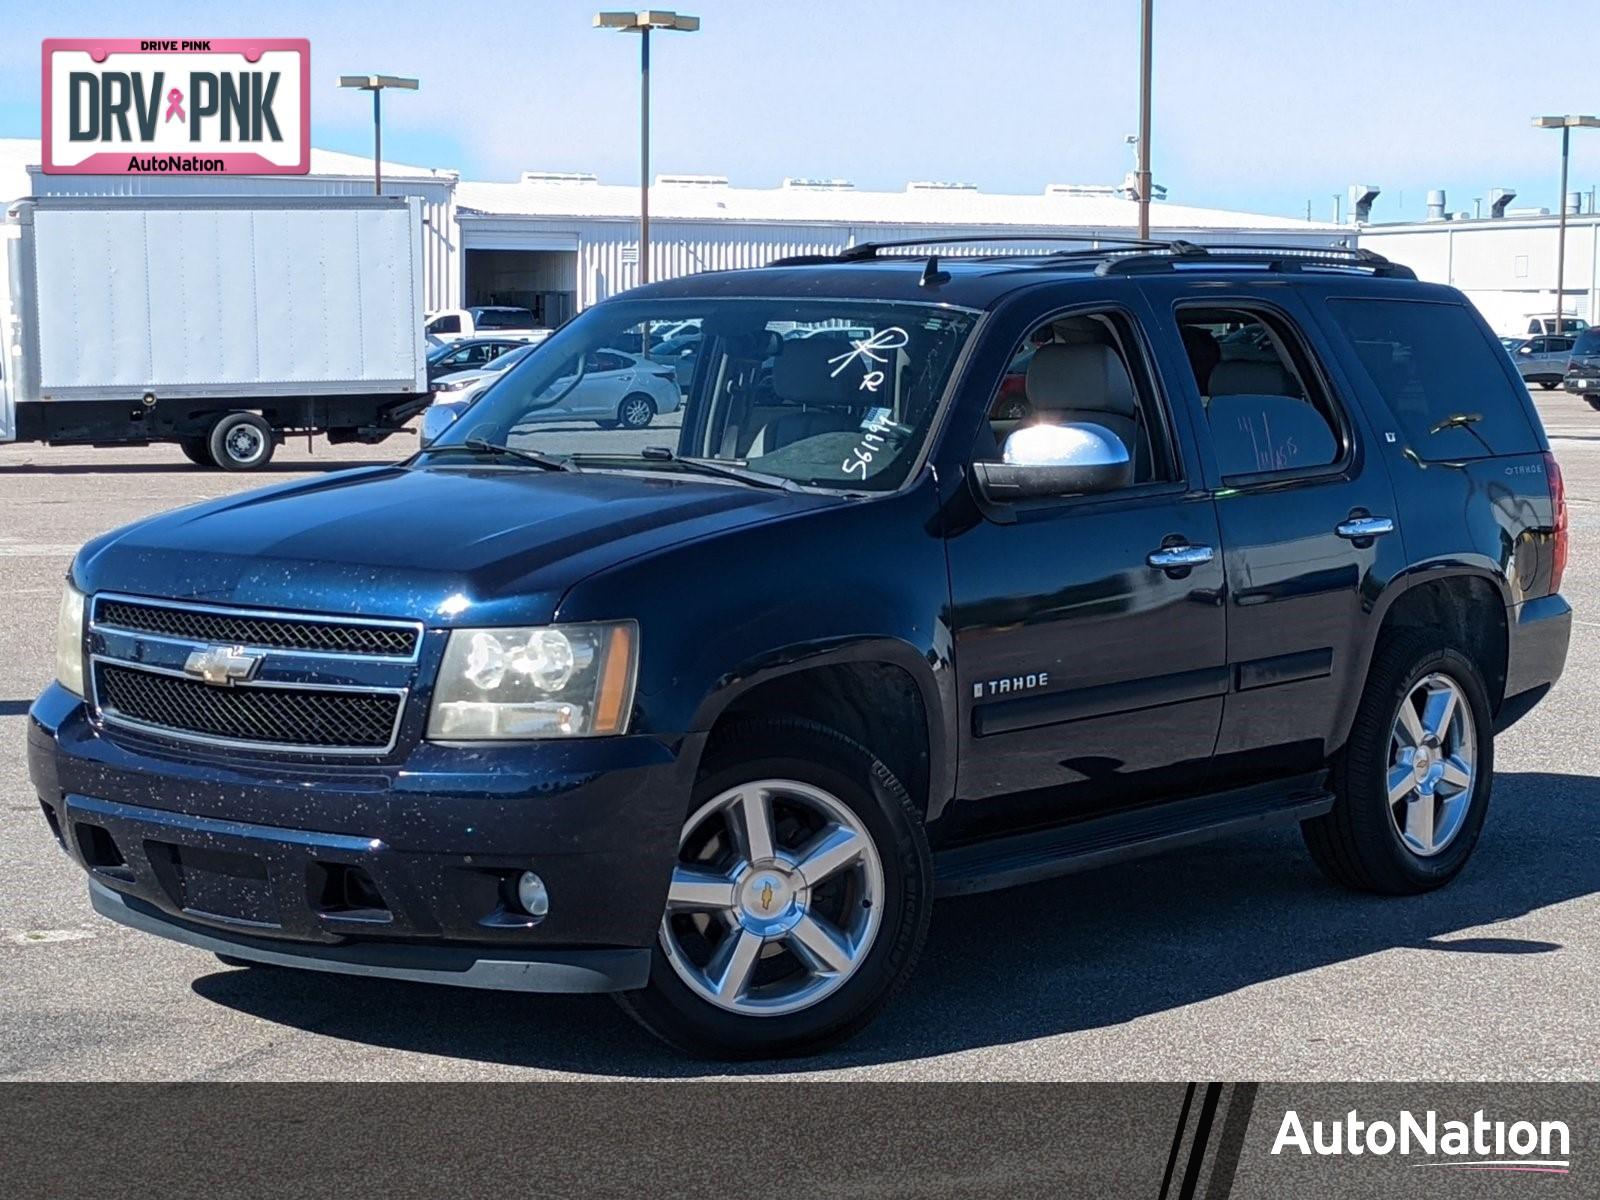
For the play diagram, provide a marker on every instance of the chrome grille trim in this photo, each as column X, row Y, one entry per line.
column 112, row 717
column 413, row 628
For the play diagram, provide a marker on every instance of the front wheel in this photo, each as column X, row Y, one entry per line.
column 1413, row 781
column 798, row 903
column 241, row 442
column 636, row 411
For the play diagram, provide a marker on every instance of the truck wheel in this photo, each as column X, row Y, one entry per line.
column 196, row 451
column 636, row 411
column 799, row 901
column 1413, row 781
column 241, row 442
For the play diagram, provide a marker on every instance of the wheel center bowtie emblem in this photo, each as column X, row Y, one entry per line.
column 766, row 896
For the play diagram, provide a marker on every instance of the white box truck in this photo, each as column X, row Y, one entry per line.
column 223, row 324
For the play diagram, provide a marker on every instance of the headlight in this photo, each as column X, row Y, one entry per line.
column 69, row 641
column 453, row 385
column 541, row 682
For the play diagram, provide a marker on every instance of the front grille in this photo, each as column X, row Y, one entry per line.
column 267, row 632
column 298, row 718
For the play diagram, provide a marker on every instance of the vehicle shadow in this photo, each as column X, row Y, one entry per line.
column 1081, row 953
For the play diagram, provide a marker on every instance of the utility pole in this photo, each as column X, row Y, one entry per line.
column 1146, row 17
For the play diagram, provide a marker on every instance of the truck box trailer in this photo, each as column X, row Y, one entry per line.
column 223, row 324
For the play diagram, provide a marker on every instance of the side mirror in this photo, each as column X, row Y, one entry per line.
column 436, row 418
column 1040, row 461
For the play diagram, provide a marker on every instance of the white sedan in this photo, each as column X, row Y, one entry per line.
column 615, row 390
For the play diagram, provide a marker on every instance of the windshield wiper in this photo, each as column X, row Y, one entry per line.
column 716, row 467
column 1457, row 421
column 531, row 457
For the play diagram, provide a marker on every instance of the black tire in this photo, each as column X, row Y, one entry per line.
column 1549, row 385
column 1356, row 844
column 631, row 414
column 241, row 442
column 782, row 748
column 197, row 451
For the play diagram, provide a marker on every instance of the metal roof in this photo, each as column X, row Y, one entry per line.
column 580, row 197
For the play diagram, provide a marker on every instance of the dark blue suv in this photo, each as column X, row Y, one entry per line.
column 947, row 576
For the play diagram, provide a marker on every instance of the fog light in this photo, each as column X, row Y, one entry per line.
column 532, row 895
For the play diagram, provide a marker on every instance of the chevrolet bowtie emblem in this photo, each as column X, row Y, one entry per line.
column 766, row 897
column 222, row 666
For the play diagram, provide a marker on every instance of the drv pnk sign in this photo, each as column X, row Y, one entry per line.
column 213, row 106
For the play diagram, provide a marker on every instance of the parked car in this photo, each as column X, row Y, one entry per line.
column 710, row 722
column 452, row 323
column 613, row 389
column 1543, row 359
column 1539, row 323
column 1583, row 370
column 468, row 354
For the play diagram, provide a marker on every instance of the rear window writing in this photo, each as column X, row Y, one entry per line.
column 1444, row 380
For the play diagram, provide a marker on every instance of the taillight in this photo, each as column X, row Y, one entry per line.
column 1558, row 501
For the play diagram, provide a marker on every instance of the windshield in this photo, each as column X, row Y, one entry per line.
column 825, row 393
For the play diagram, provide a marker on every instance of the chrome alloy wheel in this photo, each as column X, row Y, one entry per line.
column 775, row 900
column 1433, row 753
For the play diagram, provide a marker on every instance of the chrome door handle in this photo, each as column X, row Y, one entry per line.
column 1176, row 558
column 1360, row 528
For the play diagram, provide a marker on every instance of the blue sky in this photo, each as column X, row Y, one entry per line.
column 1258, row 105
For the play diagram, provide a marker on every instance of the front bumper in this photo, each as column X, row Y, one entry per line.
column 402, row 871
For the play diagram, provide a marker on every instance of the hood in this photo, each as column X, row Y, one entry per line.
column 501, row 544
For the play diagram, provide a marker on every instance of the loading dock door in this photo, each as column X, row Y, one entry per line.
column 545, row 281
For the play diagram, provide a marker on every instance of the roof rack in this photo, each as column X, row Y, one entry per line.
column 1271, row 258
column 866, row 251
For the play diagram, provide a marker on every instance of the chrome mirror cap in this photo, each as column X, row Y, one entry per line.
column 1080, row 444
column 436, row 418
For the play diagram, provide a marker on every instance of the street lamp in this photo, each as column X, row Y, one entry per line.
column 642, row 23
column 1566, row 124
column 375, row 84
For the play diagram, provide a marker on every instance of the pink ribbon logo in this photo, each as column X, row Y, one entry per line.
column 175, row 106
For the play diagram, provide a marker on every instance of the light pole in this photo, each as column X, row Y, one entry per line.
column 642, row 23
column 1566, row 124
column 375, row 84
column 1145, row 20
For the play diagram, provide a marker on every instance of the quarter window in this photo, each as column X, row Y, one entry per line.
column 1440, row 375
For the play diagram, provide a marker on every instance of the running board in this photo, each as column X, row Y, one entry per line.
column 1025, row 858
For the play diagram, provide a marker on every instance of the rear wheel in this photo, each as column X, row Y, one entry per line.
column 1549, row 385
column 241, row 442
column 196, row 451
column 636, row 411
column 1413, row 782
column 798, row 903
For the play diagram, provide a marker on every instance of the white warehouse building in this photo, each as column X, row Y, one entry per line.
column 557, row 242
column 1505, row 265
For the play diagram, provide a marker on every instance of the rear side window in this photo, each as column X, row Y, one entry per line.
column 1588, row 342
column 505, row 318
column 445, row 325
column 1441, row 376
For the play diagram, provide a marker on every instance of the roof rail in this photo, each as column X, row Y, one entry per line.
column 866, row 251
column 1272, row 258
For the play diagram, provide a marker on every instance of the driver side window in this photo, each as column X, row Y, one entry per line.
column 1083, row 369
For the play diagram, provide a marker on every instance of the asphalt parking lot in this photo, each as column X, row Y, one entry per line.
column 1234, row 961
